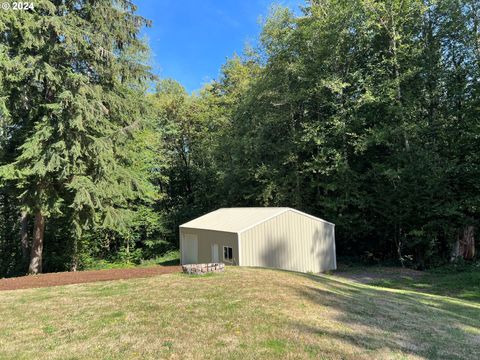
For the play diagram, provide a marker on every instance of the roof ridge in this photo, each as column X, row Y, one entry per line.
column 239, row 219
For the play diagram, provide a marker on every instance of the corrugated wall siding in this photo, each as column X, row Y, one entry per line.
column 290, row 241
column 206, row 238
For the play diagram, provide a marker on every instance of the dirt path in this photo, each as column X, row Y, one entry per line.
column 79, row 277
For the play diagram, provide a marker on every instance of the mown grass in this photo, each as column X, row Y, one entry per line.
column 459, row 284
column 240, row 314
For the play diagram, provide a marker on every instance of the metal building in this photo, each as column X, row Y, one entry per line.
column 282, row 238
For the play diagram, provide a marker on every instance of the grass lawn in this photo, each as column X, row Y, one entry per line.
column 240, row 314
column 461, row 285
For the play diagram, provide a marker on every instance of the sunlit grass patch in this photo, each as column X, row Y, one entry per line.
column 240, row 314
column 277, row 346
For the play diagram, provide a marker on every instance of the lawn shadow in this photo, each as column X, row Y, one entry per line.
column 171, row 262
column 406, row 321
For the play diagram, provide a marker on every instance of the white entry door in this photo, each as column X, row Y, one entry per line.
column 215, row 253
column 190, row 249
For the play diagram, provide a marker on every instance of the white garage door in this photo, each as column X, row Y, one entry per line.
column 190, row 249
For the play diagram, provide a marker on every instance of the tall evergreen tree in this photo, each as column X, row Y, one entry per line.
column 73, row 75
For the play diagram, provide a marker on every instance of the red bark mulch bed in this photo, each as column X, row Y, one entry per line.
column 80, row 277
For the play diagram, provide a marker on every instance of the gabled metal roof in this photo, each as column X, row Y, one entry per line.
column 238, row 219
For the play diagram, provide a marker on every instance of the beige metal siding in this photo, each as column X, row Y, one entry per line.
column 291, row 241
column 206, row 238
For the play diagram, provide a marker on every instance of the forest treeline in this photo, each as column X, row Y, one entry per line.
column 365, row 113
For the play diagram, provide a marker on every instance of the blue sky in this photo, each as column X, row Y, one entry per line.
column 191, row 39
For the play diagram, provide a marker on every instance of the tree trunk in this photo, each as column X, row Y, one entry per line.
column 456, row 249
column 74, row 265
column 398, row 244
column 37, row 246
column 24, row 236
column 467, row 243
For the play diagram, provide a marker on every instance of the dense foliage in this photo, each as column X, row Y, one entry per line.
column 72, row 80
column 361, row 112
column 366, row 113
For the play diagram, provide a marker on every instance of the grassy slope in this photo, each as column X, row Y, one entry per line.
column 461, row 285
column 241, row 314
